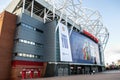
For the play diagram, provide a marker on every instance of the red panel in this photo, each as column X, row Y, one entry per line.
column 90, row 35
column 28, row 63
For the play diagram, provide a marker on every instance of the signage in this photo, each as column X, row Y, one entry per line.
column 65, row 49
column 83, row 49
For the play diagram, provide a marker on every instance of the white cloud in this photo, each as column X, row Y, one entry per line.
column 112, row 53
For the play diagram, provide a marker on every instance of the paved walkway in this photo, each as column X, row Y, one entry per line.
column 108, row 75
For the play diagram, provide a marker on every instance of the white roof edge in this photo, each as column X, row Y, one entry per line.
column 11, row 7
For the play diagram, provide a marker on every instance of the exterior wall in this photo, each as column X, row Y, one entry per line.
column 52, row 52
column 50, row 41
column 31, row 31
column 7, row 31
column 101, row 55
column 36, row 43
column 29, row 48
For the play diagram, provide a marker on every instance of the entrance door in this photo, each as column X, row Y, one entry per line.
column 79, row 70
column 62, row 70
column 73, row 69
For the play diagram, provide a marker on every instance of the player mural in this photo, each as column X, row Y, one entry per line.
column 86, row 51
column 83, row 49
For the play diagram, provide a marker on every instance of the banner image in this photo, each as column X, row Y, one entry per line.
column 83, row 49
column 65, row 49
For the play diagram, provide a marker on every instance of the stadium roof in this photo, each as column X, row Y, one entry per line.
column 66, row 11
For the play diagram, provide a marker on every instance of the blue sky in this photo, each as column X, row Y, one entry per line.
column 3, row 4
column 110, row 12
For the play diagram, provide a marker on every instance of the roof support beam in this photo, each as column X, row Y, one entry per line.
column 23, row 7
column 32, row 8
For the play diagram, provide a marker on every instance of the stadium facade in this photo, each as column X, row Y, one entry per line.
column 40, row 39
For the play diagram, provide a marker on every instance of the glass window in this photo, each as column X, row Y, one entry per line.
column 19, row 54
column 27, row 55
column 32, row 28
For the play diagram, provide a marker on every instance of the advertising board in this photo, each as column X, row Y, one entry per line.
column 65, row 49
column 83, row 49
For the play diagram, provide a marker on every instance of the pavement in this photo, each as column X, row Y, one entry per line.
column 107, row 75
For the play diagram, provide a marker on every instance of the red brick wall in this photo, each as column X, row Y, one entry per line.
column 7, row 33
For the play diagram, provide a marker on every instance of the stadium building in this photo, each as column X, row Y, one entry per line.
column 43, row 38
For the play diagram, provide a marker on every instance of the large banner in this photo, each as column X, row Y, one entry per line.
column 65, row 50
column 83, row 49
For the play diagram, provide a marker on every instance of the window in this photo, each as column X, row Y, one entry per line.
column 32, row 28
column 39, row 30
column 29, row 42
column 20, row 54
column 28, row 55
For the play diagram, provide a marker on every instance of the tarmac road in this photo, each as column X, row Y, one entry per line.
column 107, row 75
